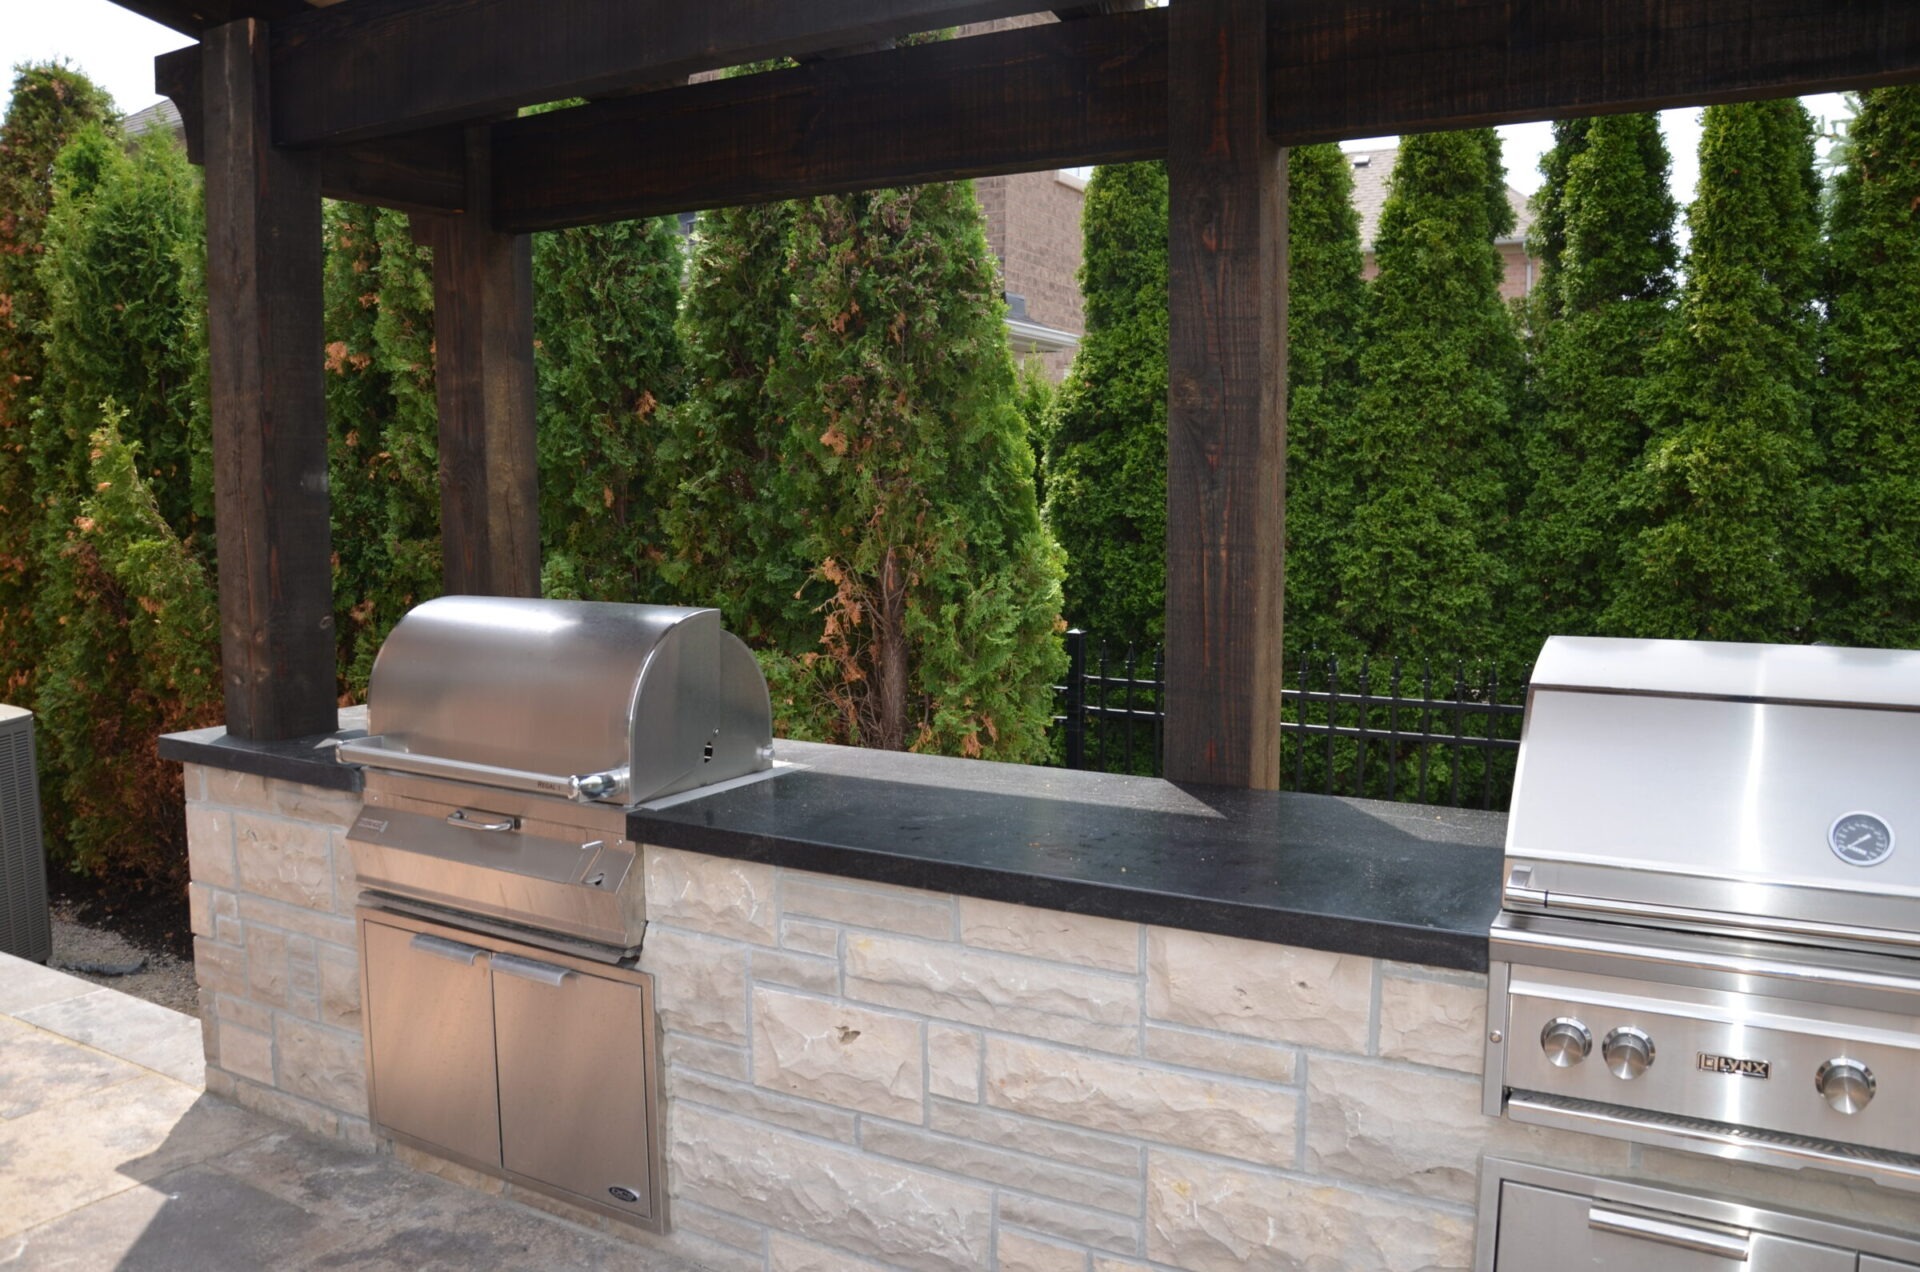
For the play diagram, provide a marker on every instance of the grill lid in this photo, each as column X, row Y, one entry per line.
column 1699, row 784
column 617, row 703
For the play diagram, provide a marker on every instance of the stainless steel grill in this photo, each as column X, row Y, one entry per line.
column 1710, row 934
column 508, row 1025
column 508, row 737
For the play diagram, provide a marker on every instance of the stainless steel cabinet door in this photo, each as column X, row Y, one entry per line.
column 573, row 1081
column 1874, row 1263
column 1542, row 1230
column 430, row 1039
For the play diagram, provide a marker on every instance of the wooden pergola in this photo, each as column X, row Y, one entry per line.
column 410, row 104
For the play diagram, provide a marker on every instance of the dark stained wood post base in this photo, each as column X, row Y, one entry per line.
column 269, row 404
column 1227, row 399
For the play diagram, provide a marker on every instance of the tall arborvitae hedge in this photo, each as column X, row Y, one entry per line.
column 383, row 429
column 1611, row 289
column 910, row 482
column 609, row 360
column 1547, row 236
column 1429, row 447
column 1106, row 462
column 50, row 105
column 124, row 604
column 1870, row 406
column 1722, row 547
column 1325, row 304
column 730, row 544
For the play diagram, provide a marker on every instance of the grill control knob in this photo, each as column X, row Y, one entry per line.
column 1847, row 1084
column 1628, row 1052
column 1566, row 1042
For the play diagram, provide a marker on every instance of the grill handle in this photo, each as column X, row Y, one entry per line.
column 527, row 969
column 375, row 753
column 460, row 817
column 1667, row 1233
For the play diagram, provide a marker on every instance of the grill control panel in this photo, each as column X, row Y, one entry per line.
column 1792, row 1067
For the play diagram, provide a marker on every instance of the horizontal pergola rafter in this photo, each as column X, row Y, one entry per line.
column 1095, row 91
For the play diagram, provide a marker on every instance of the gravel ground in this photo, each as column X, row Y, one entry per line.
column 165, row 979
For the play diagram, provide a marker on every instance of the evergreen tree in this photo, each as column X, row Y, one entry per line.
column 1325, row 303
column 1547, row 236
column 136, row 654
column 382, row 427
column 910, row 479
column 1613, row 285
column 609, row 360
column 730, row 543
column 124, row 609
column 1871, row 399
column 1106, row 462
column 1428, row 445
column 50, row 105
column 1721, row 547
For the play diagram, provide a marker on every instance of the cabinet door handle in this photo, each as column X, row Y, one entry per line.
column 1663, row 1232
column 527, row 969
column 441, row 947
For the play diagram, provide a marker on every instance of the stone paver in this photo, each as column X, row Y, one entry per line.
column 111, row 1159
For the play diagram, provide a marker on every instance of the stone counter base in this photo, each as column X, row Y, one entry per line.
column 860, row 1076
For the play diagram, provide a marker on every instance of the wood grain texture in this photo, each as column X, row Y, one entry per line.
column 367, row 68
column 191, row 17
column 484, row 380
column 423, row 171
column 1059, row 94
column 1226, row 400
column 1366, row 68
column 269, row 406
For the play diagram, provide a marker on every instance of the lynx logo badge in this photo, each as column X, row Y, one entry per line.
column 1732, row 1065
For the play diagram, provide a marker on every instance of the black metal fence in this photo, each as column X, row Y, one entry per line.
column 1399, row 731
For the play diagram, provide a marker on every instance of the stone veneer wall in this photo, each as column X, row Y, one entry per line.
column 860, row 1076
column 275, row 948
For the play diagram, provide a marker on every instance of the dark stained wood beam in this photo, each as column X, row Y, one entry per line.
column 420, row 172
column 367, row 68
column 1226, row 400
column 1058, row 94
column 1094, row 91
column 191, row 17
column 1368, row 68
column 264, row 346
column 484, row 379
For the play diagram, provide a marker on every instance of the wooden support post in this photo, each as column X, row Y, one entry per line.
column 269, row 404
column 483, row 375
column 1227, row 395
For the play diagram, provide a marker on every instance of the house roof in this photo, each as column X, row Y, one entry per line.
column 1371, row 168
column 162, row 114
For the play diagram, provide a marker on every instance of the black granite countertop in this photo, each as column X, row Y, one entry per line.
column 1400, row 881
column 308, row 760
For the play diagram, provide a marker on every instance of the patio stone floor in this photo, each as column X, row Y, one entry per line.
column 113, row 1155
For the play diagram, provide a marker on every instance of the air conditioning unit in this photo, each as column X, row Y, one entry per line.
column 26, row 929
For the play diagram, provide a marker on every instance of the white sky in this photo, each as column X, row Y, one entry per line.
column 116, row 48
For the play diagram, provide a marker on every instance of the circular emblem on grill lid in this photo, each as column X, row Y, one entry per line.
column 1860, row 839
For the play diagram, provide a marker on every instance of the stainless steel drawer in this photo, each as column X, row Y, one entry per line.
column 1542, row 1230
column 1540, row 1219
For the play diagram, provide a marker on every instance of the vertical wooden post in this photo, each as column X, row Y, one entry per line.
column 1227, row 396
column 483, row 376
column 265, row 353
